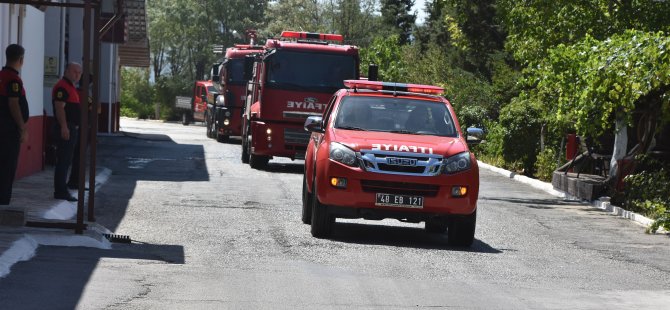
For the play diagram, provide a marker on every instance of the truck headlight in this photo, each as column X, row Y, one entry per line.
column 343, row 154
column 457, row 163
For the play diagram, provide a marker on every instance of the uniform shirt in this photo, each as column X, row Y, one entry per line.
column 11, row 86
column 65, row 91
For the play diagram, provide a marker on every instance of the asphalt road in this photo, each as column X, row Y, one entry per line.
column 212, row 233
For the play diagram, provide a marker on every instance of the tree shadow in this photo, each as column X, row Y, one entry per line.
column 407, row 237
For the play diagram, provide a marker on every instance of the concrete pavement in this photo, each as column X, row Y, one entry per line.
column 32, row 200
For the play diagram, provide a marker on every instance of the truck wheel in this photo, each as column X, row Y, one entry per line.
column 306, row 203
column 258, row 161
column 209, row 127
column 436, row 225
column 245, row 151
column 222, row 138
column 461, row 230
column 185, row 119
column 322, row 222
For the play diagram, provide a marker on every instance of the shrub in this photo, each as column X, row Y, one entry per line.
column 545, row 164
column 648, row 192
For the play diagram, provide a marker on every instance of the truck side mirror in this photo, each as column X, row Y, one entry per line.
column 215, row 73
column 373, row 72
column 474, row 135
column 314, row 124
column 248, row 67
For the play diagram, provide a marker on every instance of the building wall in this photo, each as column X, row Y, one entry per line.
column 24, row 25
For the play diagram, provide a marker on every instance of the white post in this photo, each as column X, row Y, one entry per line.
column 620, row 145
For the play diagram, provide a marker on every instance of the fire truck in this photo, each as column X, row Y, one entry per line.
column 292, row 79
column 224, row 117
column 390, row 150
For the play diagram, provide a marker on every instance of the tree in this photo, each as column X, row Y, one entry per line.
column 398, row 19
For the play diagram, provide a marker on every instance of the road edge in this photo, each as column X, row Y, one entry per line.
column 602, row 203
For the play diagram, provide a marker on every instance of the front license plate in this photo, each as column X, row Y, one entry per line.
column 401, row 201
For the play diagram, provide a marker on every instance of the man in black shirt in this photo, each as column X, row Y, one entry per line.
column 13, row 119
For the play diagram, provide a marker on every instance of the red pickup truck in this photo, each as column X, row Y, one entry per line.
column 390, row 150
column 195, row 107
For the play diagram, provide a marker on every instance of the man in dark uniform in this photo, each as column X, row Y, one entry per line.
column 13, row 119
column 67, row 109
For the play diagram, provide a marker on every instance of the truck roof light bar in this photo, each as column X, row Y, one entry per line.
column 391, row 86
column 312, row 35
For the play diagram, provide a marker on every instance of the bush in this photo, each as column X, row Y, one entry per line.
column 521, row 123
column 545, row 164
column 648, row 192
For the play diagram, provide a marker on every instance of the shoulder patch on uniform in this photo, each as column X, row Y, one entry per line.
column 59, row 94
column 15, row 86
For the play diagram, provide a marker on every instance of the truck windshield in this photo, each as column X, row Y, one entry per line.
column 398, row 115
column 309, row 71
column 235, row 69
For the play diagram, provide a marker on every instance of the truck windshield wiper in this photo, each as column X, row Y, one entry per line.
column 352, row 128
column 405, row 132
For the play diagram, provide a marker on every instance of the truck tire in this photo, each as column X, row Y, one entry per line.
column 258, row 161
column 461, row 231
column 185, row 119
column 436, row 225
column 322, row 222
column 222, row 138
column 306, row 203
column 209, row 126
column 245, row 152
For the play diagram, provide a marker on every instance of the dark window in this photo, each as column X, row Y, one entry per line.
column 309, row 71
column 235, row 69
column 211, row 89
column 401, row 115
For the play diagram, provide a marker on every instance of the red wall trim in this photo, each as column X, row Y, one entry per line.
column 31, row 156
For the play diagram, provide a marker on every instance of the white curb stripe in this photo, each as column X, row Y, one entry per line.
column 20, row 250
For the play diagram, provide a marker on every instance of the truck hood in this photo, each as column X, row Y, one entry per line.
column 385, row 141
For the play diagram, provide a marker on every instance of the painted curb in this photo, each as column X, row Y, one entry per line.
column 603, row 203
column 25, row 247
column 22, row 249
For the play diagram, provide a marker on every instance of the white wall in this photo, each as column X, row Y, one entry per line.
column 32, row 73
column 53, row 47
column 32, row 39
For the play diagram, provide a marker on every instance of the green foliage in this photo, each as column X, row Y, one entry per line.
column 398, row 19
column 648, row 191
column 591, row 80
column 546, row 164
column 387, row 54
column 536, row 26
column 136, row 93
column 521, row 123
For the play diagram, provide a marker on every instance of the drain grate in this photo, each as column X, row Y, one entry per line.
column 117, row 238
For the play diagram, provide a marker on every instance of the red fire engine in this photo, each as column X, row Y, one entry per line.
column 225, row 115
column 390, row 150
column 292, row 79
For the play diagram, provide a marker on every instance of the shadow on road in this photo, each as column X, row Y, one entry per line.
column 408, row 237
column 57, row 276
column 295, row 168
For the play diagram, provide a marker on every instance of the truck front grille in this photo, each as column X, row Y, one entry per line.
column 401, row 163
column 400, row 188
column 296, row 136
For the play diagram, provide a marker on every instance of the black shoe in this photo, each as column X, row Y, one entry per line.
column 67, row 197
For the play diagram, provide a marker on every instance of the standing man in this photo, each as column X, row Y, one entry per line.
column 13, row 119
column 67, row 109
